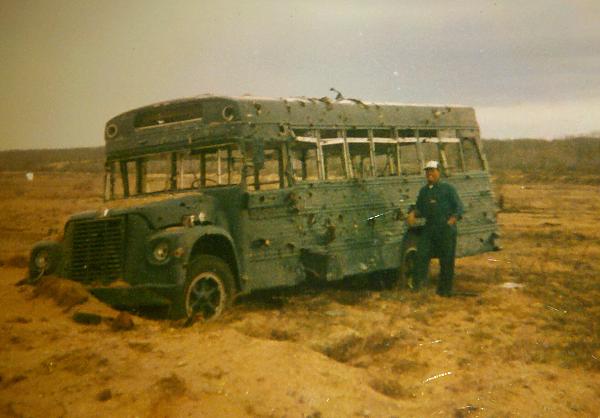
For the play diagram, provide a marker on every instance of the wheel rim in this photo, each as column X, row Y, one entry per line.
column 410, row 262
column 205, row 296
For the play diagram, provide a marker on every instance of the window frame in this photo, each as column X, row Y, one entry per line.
column 131, row 174
column 482, row 163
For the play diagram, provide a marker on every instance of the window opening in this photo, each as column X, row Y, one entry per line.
column 360, row 157
column 305, row 165
column 270, row 175
column 214, row 167
column 385, row 159
column 304, row 134
column 451, row 157
column 357, row 133
column 124, row 178
column 189, row 171
column 384, row 148
column 166, row 172
column 383, row 133
column 164, row 115
column 333, row 161
column 409, row 161
column 334, row 151
column 407, row 133
column 328, row 134
column 430, row 151
column 472, row 159
column 109, row 180
column 428, row 133
column 157, row 173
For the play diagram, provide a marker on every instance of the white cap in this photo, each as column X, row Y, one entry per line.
column 432, row 164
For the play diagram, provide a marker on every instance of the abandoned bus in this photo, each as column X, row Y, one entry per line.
column 226, row 195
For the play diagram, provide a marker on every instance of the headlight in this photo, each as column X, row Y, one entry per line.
column 42, row 260
column 188, row 220
column 161, row 251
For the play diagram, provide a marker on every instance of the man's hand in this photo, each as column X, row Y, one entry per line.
column 452, row 220
column 411, row 218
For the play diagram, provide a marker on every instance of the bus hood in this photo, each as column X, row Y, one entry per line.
column 162, row 213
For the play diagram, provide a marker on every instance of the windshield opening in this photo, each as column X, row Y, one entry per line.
column 174, row 171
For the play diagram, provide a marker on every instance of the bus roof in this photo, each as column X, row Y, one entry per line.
column 186, row 121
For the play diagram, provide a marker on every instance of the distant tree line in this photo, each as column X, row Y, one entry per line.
column 559, row 157
column 89, row 159
column 536, row 158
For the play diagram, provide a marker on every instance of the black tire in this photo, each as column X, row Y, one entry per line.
column 406, row 273
column 53, row 255
column 208, row 291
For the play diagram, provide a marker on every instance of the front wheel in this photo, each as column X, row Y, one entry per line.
column 208, row 290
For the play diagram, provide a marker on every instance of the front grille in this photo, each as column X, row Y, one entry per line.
column 97, row 251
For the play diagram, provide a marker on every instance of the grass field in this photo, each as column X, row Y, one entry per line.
column 347, row 350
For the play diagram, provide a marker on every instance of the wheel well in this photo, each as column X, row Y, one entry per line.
column 411, row 237
column 218, row 246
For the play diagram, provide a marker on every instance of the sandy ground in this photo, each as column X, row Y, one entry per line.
column 353, row 350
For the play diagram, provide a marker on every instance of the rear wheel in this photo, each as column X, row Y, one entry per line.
column 406, row 277
column 208, row 290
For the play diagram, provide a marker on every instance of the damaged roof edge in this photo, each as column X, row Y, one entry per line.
column 304, row 99
column 201, row 115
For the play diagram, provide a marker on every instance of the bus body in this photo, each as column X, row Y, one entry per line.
column 225, row 195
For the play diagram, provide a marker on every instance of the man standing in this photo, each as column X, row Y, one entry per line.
column 441, row 207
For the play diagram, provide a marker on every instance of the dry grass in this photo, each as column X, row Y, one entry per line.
column 509, row 342
column 36, row 210
column 553, row 254
column 540, row 161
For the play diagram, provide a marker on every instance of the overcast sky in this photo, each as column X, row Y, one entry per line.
column 530, row 68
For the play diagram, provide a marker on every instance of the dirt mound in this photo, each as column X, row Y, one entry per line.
column 18, row 261
column 122, row 322
column 72, row 296
column 342, row 345
column 167, row 392
column 171, row 386
column 65, row 293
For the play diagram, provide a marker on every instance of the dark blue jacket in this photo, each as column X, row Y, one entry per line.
column 437, row 202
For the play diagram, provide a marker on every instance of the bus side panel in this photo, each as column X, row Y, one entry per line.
column 352, row 226
column 271, row 240
column 477, row 229
column 355, row 226
column 359, row 224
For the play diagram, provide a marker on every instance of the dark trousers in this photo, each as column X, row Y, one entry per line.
column 440, row 241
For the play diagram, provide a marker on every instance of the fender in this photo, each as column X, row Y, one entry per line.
column 184, row 239
column 191, row 235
